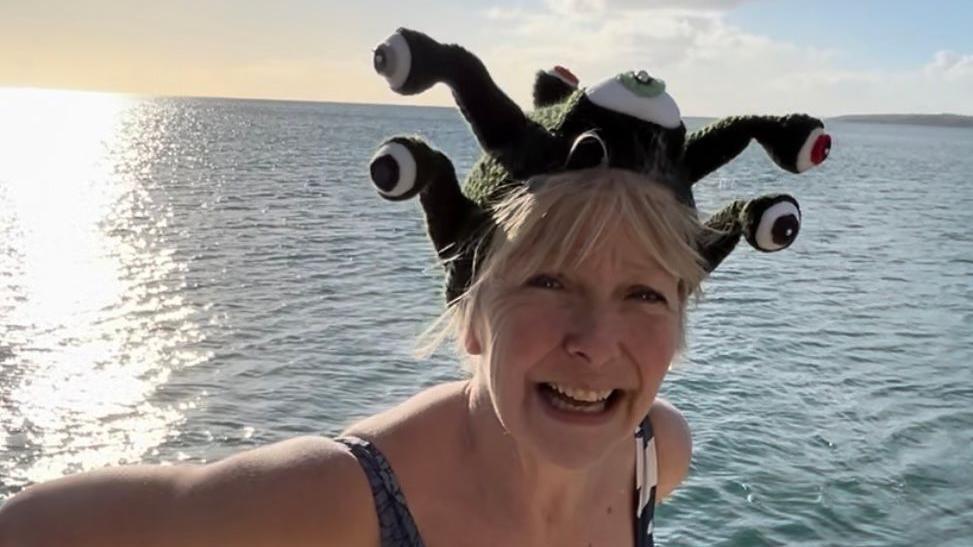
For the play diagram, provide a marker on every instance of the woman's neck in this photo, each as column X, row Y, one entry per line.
column 531, row 491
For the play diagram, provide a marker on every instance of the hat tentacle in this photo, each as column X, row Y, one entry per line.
column 412, row 62
column 769, row 223
column 721, row 234
column 553, row 86
column 795, row 142
column 404, row 167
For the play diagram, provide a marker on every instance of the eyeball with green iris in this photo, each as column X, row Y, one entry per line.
column 639, row 95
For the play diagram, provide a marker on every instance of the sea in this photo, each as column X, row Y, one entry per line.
column 182, row 279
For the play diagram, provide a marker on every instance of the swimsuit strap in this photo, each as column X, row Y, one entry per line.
column 646, row 479
column 395, row 522
column 398, row 529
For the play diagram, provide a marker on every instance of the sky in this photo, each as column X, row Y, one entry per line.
column 718, row 57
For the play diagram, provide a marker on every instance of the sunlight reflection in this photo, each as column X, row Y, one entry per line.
column 90, row 319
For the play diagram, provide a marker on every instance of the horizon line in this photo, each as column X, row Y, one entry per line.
column 4, row 87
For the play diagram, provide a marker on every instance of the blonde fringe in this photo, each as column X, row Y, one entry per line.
column 541, row 222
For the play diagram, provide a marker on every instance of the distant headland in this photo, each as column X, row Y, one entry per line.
column 940, row 120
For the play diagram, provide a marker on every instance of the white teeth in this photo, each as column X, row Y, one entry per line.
column 588, row 408
column 585, row 395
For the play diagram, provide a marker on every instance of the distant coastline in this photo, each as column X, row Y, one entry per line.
column 939, row 120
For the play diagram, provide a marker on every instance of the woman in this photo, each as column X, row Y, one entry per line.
column 569, row 341
column 566, row 291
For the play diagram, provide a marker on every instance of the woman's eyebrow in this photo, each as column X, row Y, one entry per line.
column 644, row 272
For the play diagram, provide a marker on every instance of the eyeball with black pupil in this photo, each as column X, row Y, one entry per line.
column 815, row 150
column 393, row 60
column 778, row 226
column 393, row 171
column 588, row 150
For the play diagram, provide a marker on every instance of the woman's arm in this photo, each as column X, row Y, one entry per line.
column 303, row 491
column 673, row 446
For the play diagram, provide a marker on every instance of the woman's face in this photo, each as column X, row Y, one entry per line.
column 573, row 358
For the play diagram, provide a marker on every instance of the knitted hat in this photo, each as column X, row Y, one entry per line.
column 627, row 122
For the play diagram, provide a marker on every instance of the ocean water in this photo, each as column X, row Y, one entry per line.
column 181, row 279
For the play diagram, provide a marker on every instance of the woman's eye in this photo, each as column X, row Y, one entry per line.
column 544, row 281
column 645, row 294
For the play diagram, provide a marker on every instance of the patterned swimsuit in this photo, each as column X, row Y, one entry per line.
column 398, row 529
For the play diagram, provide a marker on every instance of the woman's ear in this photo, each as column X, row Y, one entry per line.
column 471, row 341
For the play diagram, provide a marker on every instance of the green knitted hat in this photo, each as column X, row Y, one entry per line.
column 626, row 122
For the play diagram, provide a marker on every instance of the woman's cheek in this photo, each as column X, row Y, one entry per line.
column 525, row 325
column 523, row 332
column 654, row 344
column 513, row 327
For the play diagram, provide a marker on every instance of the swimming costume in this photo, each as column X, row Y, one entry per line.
column 398, row 529
column 395, row 522
column 646, row 480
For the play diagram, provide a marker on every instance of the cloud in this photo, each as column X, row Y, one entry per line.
column 951, row 65
column 711, row 66
column 600, row 6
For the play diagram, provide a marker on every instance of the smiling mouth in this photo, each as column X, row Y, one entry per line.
column 584, row 401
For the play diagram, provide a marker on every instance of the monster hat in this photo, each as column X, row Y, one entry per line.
column 627, row 122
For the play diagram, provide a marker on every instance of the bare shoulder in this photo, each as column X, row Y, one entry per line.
column 304, row 491
column 423, row 440
column 674, row 445
column 422, row 414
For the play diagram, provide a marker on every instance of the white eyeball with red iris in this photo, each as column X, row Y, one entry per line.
column 814, row 151
column 393, row 170
column 563, row 74
column 778, row 226
column 393, row 60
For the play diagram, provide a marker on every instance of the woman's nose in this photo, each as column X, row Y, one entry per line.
column 593, row 337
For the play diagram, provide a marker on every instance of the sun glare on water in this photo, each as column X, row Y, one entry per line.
column 91, row 323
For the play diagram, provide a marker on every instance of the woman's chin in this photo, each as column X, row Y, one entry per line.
column 575, row 436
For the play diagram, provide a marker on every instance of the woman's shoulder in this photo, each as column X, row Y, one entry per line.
column 422, row 440
column 427, row 416
column 673, row 444
column 311, row 486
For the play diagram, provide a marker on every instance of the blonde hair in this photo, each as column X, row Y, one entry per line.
column 561, row 220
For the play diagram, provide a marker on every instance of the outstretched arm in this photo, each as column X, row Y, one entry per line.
column 307, row 491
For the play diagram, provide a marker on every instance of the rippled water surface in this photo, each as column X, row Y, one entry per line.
column 184, row 278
